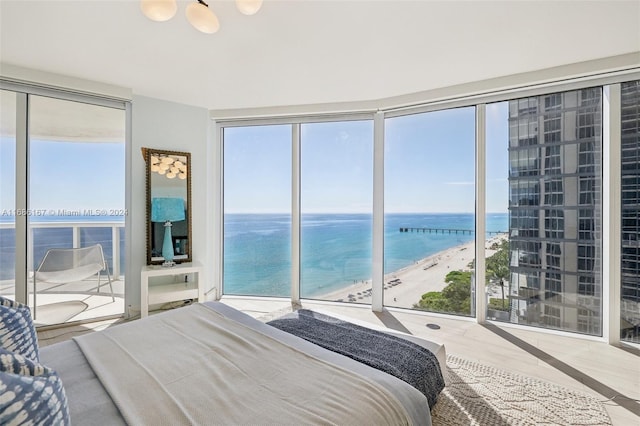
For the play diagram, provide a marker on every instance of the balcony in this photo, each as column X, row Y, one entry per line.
column 73, row 301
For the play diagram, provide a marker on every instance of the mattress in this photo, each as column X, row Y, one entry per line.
column 90, row 403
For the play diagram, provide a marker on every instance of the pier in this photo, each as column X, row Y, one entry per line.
column 447, row 231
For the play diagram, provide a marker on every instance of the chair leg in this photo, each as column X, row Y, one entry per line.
column 113, row 299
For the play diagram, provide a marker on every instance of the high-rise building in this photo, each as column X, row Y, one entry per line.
column 630, row 204
column 555, row 149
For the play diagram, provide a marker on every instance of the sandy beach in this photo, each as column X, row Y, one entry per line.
column 406, row 286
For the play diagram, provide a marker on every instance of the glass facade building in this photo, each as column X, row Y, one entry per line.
column 555, row 150
column 630, row 205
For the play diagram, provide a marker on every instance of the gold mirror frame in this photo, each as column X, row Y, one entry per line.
column 151, row 177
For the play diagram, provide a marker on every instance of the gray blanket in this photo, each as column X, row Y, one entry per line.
column 396, row 356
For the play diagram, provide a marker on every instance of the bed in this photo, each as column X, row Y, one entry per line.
column 211, row 364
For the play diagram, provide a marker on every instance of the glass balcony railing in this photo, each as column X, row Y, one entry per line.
column 75, row 300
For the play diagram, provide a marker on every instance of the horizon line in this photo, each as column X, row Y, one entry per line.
column 369, row 213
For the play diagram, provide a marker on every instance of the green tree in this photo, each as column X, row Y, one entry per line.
column 497, row 265
column 497, row 305
column 454, row 298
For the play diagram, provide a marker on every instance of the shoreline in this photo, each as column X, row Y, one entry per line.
column 405, row 287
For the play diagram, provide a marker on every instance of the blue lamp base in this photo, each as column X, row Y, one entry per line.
column 167, row 246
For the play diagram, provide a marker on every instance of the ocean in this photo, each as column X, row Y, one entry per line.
column 335, row 248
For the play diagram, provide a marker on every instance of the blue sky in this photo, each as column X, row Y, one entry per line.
column 66, row 175
column 429, row 165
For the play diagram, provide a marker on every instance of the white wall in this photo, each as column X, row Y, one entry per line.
column 172, row 126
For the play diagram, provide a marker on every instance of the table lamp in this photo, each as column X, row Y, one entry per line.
column 167, row 210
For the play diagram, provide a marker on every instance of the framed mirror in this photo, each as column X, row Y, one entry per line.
column 168, row 206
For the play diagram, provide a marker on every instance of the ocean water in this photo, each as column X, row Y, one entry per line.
column 59, row 237
column 335, row 248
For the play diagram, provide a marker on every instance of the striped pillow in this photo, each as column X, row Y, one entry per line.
column 30, row 393
column 17, row 332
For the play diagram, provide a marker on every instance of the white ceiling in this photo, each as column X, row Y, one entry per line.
column 307, row 52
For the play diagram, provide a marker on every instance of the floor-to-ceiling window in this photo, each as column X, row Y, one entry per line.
column 336, row 162
column 548, row 272
column 70, row 190
column 544, row 198
column 630, row 204
column 257, row 210
column 429, row 207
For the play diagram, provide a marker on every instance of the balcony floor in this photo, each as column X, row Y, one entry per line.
column 75, row 301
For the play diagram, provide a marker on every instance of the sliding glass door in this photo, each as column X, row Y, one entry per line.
column 76, row 197
column 66, row 194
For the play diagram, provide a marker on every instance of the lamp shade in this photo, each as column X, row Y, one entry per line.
column 159, row 10
column 248, row 7
column 202, row 18
column 167, row 209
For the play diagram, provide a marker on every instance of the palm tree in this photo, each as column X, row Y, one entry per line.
column 497, row 266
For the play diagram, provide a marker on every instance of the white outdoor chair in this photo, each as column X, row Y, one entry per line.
column 61, row 266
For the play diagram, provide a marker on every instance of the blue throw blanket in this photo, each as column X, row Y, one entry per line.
column 396, row 356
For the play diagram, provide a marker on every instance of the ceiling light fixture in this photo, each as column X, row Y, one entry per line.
column 159, row 10
column 248, row 7
column 198, row 13
column 202, row 18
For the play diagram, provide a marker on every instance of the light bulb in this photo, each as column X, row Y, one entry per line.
column 161, row 171
column 178, row 163
column 155, row 168
column 248, row 7
column 171, row 175
column 167, row 160
column 175, row 170
column 202, row 18
column 154, row 159
column 182, row 176
column 164, row 167
column 159, row 10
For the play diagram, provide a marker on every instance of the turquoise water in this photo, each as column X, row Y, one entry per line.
column 335, row 248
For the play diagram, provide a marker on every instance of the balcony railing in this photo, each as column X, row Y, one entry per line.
column 73, row 301
column 42, row 236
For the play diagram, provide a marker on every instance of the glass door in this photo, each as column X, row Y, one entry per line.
column 75, row 231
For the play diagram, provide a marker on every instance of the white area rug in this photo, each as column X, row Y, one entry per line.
column 481, row 395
